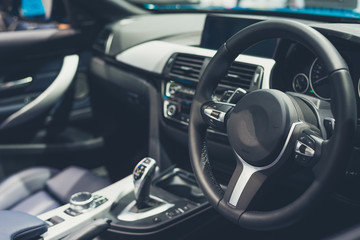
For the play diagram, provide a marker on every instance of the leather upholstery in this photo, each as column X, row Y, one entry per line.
column 31, row 204
column 17, row 225
column 73, row 180
column 23, row 184
column 38, row 190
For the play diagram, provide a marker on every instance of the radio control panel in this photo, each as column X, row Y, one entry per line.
column 177, row 99
column 177, row 102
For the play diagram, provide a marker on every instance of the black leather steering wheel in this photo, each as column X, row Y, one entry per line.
column 268, row 128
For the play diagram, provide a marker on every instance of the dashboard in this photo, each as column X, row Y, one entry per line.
column 174, row 49
column 306, row 74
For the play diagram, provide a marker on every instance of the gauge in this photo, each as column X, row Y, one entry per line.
column 300, row 83
column 319, row 80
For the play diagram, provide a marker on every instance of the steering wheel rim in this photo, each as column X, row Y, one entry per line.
column 338, row 147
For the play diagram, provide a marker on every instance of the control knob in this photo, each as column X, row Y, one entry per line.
column 171, row 110
column 82, row 201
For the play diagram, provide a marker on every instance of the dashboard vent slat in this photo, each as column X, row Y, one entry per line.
column 102, row 40
column 239, row 75
column 187, row 66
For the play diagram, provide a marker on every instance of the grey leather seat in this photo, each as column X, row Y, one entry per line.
column 38, row 190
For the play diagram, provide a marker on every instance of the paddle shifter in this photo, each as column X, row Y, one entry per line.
column 143, row 173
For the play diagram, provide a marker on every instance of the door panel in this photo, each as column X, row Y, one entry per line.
column 45, row 118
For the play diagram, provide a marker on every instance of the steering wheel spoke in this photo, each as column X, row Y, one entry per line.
column 322, row 116
column 243, row 186
column 215, row 114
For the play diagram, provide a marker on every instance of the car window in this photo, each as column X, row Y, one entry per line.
column 346, row 9
column 17, row 15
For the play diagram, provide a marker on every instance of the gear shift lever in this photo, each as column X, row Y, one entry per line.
column 142, row 176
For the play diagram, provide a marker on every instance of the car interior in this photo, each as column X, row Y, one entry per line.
column 159, row 119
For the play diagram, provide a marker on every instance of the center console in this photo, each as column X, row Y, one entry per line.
column 142, row 204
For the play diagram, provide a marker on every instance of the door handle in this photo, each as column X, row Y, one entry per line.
column 15, row 84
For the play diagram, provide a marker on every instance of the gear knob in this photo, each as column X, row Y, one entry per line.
column 142, row 176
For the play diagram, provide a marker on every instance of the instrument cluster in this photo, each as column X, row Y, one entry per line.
column 313, row 81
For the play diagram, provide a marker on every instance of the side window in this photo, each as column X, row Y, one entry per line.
column 16, row 15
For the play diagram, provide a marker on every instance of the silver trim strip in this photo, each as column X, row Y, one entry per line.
column 49, row 97
column 309, row 152
column 15, row 84
column 108, row 43
column 221, row 117
column 113, row 193
column 249, row 170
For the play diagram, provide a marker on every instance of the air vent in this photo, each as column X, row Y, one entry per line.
column 187, row 67
column 239, row 75
column 102, row 41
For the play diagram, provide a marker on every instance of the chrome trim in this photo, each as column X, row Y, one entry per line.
column 237, row 90
column 15, row 84
column 249, row 170
column 309, row 152
column 225, row 103
column 171, row 110
column 108, row 43
column 47, row 98
column 128, row 216
column 307, row 81
column 208, row 112
column 76, row 202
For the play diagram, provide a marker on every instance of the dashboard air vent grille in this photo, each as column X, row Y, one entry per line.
column 239, row 75
column 102, row 40
column 187, row 66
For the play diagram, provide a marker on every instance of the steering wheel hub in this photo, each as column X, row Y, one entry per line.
column 259, row 124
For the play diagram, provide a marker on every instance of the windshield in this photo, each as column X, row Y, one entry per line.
column 334, row 8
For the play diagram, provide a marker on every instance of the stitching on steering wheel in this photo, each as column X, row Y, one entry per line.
column 206, row 165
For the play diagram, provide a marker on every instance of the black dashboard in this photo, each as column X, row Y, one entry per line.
column 171, row 54
column 305, row 72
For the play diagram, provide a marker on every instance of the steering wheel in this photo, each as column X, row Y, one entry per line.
column 268, row 128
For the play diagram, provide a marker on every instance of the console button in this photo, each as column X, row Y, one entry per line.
column 225, row 97
column 329, row 124
column 304, row 149
column 170, row 214
column 186, row 208
column 303, row 160
column 71, row 212
column 179, row 211
column 139, row 171
column 100, row 202
column 237, row 95
column 215, row 113
column 54, row 220
column 171, row 110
